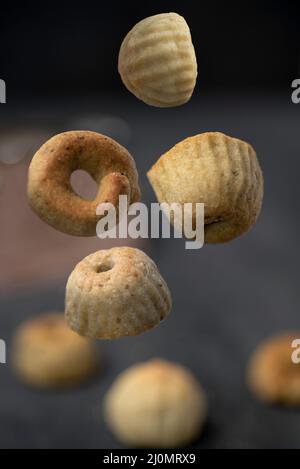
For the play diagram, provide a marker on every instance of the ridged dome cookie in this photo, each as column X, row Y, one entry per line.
column 114, row 293
column 156, row 404
column 220, row 171
column 272, row 376
column 157, row 61
column 47, row 354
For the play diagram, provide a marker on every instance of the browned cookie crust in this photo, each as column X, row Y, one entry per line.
column 50, row 193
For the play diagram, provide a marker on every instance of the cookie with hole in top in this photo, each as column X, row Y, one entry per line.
column 47, row 354
column 219, row 171
column 156, row 404
column 114, row 293
column 157, row 60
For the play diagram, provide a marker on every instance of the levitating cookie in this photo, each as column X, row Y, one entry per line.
column 114, row 293
column 272, row 375
column 157, row 61
column 220, row 171
column 47, row 354
column 156, row 405
column 50, row 193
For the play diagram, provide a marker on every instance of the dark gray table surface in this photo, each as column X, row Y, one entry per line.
column 227, row 298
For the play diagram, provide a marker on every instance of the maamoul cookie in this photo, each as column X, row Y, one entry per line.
column 157, row 61
column 272, row 376
column 116, row 292
column 219, row 171
column 156, row 405
column 47, row 354
column 50, row 192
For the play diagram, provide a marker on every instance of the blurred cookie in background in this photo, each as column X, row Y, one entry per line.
column 47, row 354
column 156, row 404
column 273, row 373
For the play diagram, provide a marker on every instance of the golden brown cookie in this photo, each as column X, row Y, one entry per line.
column 114, row 293
column 156, row 404
column 47, row 354
column 272, row 376
column 220, row 171
column 157, row 61
column 50, row 192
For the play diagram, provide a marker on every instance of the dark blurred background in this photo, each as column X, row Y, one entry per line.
column 72, row 48
column 60, row 66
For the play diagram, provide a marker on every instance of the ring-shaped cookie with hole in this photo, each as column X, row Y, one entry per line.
column 50, row 192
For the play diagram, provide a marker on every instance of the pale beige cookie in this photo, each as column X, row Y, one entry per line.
column 47, row 354
column 157, row 61
column 156, row 404
column 272, row 376
column 116, row 292
column 220, row 171
column 50, row 193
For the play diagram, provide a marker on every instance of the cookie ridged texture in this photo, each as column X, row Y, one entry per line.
column 156, row 404
column 272, row 376
column 114, row 293
column 47, row 354
column 220, row 171
column 157, row 60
